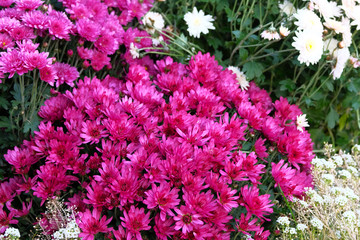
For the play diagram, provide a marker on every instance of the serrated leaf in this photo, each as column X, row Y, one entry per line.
column 252, row 70
column 4, row 103
column 5, row 122
column 17, row 92
column 287, row 84
column 332, row 118
column 32, row 125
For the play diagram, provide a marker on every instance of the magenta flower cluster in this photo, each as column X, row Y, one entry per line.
column 161, row 150
column 96, row 26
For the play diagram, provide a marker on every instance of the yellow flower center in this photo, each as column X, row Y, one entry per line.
column 309, row 45
column 197, row 22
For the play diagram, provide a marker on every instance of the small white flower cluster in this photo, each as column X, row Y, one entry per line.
column 345, row 174
column 71, row 231
column 284, row 221
column 334, row 200
column 11, row 233
column 350, row 217
column 315, row 222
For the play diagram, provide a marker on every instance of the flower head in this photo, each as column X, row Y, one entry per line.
column 301, row 122
column 198, row 22
column 240, row 77
column 310, row 45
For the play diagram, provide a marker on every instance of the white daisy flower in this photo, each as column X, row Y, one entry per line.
column 152, row 21
column 198, row 22
column 240, row 77
column 327, row 9
column 308, row 20
column 270, row 34
column 343, row 56
column 134, row 51
column 301, row 122
column 310, row 45
column 284, row 31
column 287, row 8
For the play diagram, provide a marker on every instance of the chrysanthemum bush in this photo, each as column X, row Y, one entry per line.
column 306, row 51
column 46, row 46
column 183, row 152
column 331, row 209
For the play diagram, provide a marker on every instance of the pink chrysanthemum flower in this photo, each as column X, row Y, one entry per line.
column 245, row 226
column 6, row 3
column 135, row 220
column 6, row 41
column 35, row 19
column 65, row 74
column 88, row 29
column 48, row 74
column 164, row 229
column 54, row 108
column 36, row 59
column 255, row 204
column 28, row 5
column 163, row 197
column 21, row 159
column 92, row 131
column 186, row 220
column 12, row 62
column 6, row 219
column 59, row 25
column 92, row 223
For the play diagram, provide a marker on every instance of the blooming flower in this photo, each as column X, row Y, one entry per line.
column 186, row 220
column 310, row 45
column 134, row 51
column 198, row 22
column 240, row 77
column 284, row 31
column 308, row 20
column 153, row 20
column 343, row 56
column 135, row 220
column 287, row 7
column 270, row 34
column 301, row 122
column 90, row 224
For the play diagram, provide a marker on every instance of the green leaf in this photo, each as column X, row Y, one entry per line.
column 332, row 118
column 259, row 12
column 287, row 84
column 243, row 54
column 236, row 33
column 329, row 86
column 4, row 103
column 17, row 92
column 253, row 70
column 5, row 122
column 218, row 55
column 32, row 125
column 317, row 96
column 342, row 121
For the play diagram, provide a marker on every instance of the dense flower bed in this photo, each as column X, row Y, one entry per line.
column 167, row 152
